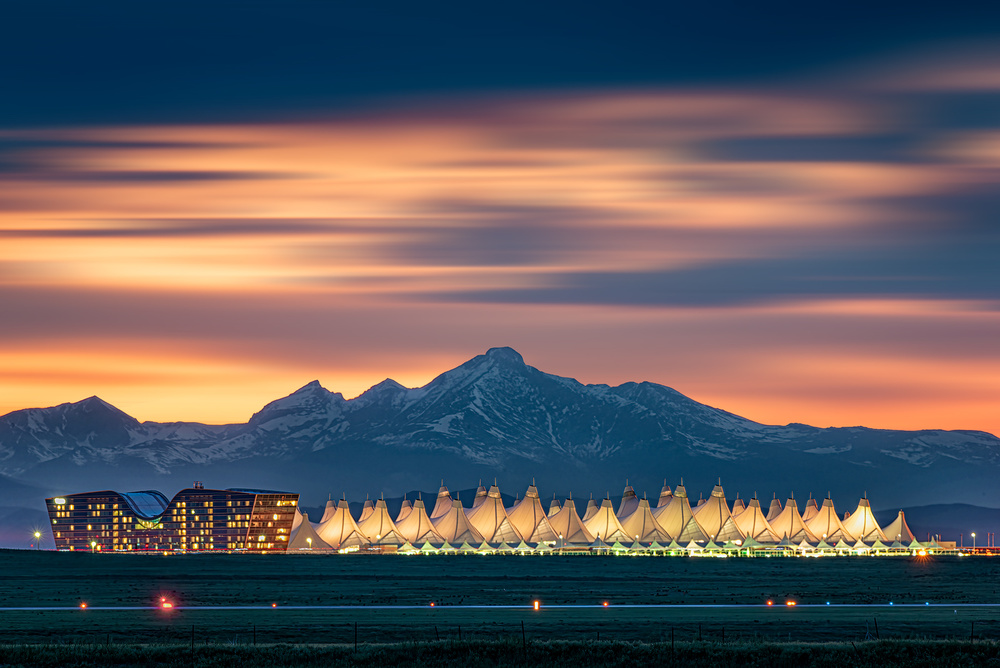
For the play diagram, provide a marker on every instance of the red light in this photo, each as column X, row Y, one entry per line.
column 166, row 605
column 770, row 602
column 790, row 604
column 432, row 604
column 536, row 605
column 605, row 604
column 274, row 605
column 83, row 606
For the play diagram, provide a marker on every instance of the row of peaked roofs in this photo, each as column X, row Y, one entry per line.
column 671, row 521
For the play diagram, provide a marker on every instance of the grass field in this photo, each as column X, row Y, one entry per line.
column 858, row 588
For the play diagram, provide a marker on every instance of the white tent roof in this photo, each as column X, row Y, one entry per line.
column 790, row 524
column 754, row 525
column 297, row 519
column 641, row 523
column 454, row 526
column 404, row 510
column 331, row 508
column 566, row 523
column 665, row 495
column 899, row 530
column 677, row 519
column 812, row 508
column 529, row 518
column 862, row 525
column 605, row 525
column 366, row 510
column 553, row 507
column 379, row 527
column 628, row 503
column 490, row 519
column 417, row 527
column 826, row 524
column 591, row 509
column 340, row 530
column 738, row 506
column 444, row 503
column 481, row 495
column 299, row 539
column 715, row 519
column 774, row 509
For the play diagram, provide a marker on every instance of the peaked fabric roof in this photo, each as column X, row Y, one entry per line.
column 677, row 518
column 379, row 527
column 340, row 530
column 566, row 523
column 417, row 527
column 300, row 537
column 629, row 502
column 591, row 509
column 789, row 524
column 754, row 525
column 529, row 518
column 455, row 527
column 605, row 525
column 331, row 508
column 366, row 510
column 899, row 530
column 862, row 525
column 404, row 510
column 774, row 509
column 826, row 524
column 812, row 508
column 715, row 518
column 641, row 523
column 481, row 494
column 665, row 495
column 297, row 519
column 738, row 506
column 490, row 519
column 553, row 507
column 444, row 502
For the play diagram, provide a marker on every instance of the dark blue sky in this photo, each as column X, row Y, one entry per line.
column 74, row 62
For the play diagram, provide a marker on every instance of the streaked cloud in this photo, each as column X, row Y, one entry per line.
column 797, row 253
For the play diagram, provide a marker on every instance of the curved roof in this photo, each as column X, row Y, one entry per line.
column 147, row 504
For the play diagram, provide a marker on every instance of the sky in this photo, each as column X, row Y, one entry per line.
column 789, row 212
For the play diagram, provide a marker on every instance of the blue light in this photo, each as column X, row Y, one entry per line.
column 890, row 602
column 828, row 602
column 926, row 603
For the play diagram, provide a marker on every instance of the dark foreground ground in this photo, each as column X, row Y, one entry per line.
column 514, row 652
column 940, row 610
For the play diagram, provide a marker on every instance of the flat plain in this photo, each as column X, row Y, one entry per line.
column 331, row 599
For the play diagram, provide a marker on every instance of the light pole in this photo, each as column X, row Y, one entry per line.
column 973, row 540
column 38, row 539
column 93, row 546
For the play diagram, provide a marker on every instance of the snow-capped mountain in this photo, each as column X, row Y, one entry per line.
column 493, row 416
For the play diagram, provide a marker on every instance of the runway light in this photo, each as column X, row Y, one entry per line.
column 605, row 604
column 536, row 605
column 926, row 603
column 166, row 605
column 432, row 604
column 274, row 605
column 790, row 604
column 770, row 602
column 83, row 606
column 828, row 602
column 890, row 602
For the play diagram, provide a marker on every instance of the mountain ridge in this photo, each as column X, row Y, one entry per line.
column 492, row 415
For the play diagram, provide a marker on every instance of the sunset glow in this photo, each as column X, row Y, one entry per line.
column 807, row 254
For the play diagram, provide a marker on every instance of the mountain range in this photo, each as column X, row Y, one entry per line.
column 491, row 417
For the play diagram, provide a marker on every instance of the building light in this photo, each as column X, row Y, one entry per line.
column 60, row 501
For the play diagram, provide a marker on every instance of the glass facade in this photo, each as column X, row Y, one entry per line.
column 196, row 519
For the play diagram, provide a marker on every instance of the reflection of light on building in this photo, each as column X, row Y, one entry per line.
column 196, row 519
